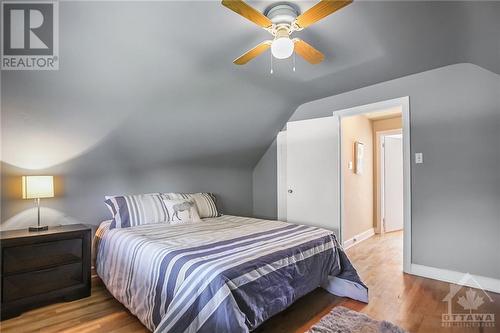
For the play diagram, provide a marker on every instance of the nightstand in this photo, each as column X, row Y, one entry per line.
column 38, row 268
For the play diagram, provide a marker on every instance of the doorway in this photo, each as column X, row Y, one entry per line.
column 372, row 174
column 382, row 115
column 311, row 174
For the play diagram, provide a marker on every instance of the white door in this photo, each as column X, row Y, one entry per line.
column 313, row 173
column 393, row 183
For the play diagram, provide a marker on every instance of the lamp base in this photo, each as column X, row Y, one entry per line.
column 38, row 228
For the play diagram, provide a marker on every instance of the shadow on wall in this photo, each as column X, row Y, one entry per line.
column 31, row 149
column 37, row 140
column 106, row 165
column 48, row 216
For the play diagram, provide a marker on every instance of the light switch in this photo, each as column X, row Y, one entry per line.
column 419, row 158
column 349, row 165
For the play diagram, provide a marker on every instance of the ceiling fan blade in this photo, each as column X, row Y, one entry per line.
column 319, row 11
column 255, row 52
column 308, row 52
column 248, row 12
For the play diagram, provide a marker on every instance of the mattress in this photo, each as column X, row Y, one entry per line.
column 225, row 274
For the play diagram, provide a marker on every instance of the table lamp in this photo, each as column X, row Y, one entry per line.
column 38, row 187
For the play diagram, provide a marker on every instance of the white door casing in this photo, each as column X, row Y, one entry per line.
column 404, row 103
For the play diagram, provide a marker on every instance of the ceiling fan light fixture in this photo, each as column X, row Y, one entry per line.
column 282, row 47
column 281, row 20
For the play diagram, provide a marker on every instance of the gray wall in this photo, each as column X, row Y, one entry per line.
column 80, row 196
column 455, row 122
column 133, row 108
column 141, row 104
column 265, row 194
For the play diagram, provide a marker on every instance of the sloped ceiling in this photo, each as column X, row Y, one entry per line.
column 153, row 83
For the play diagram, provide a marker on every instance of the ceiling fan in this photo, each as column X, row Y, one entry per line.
column 281, row 20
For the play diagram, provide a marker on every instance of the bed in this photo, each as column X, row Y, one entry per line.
column 224, row 274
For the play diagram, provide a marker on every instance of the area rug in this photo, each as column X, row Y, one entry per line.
column 343, row 320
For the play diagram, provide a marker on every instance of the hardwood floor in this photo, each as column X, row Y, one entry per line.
column 413, row 303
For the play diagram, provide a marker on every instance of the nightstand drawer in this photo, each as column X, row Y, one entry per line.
column 38, row 282
column 38, row 268
column 42, row 255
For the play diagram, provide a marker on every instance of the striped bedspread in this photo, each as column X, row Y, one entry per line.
column 226, row 274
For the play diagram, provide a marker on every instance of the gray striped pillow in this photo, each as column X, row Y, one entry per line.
column 205, row 202
column 139, row 209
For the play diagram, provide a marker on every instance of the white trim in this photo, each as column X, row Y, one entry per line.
column 339, row 178
column 406, row 184
column 404, row 103
column 281, row 174
column 445, row 275
column 358, row 238
column 380, row 186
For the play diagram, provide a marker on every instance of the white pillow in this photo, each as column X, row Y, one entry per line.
column 205, row 202
column 181, row 211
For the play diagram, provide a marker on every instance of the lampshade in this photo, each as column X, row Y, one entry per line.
column 35, row 187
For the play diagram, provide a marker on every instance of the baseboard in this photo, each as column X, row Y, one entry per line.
column 465, row 279
column 359, row 238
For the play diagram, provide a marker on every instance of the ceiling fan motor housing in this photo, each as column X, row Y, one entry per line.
column 282, row 14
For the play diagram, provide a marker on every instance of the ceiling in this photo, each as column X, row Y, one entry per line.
column 153, row 83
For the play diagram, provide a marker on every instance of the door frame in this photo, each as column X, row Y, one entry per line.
column 404, row 103
column 380, row 142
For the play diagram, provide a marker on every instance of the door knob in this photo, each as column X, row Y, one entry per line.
column 290, row 191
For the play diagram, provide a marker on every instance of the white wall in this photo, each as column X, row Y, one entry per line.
column 455, row 122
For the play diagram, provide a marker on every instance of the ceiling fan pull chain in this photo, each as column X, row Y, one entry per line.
column 272, row 64
column 294, row 61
